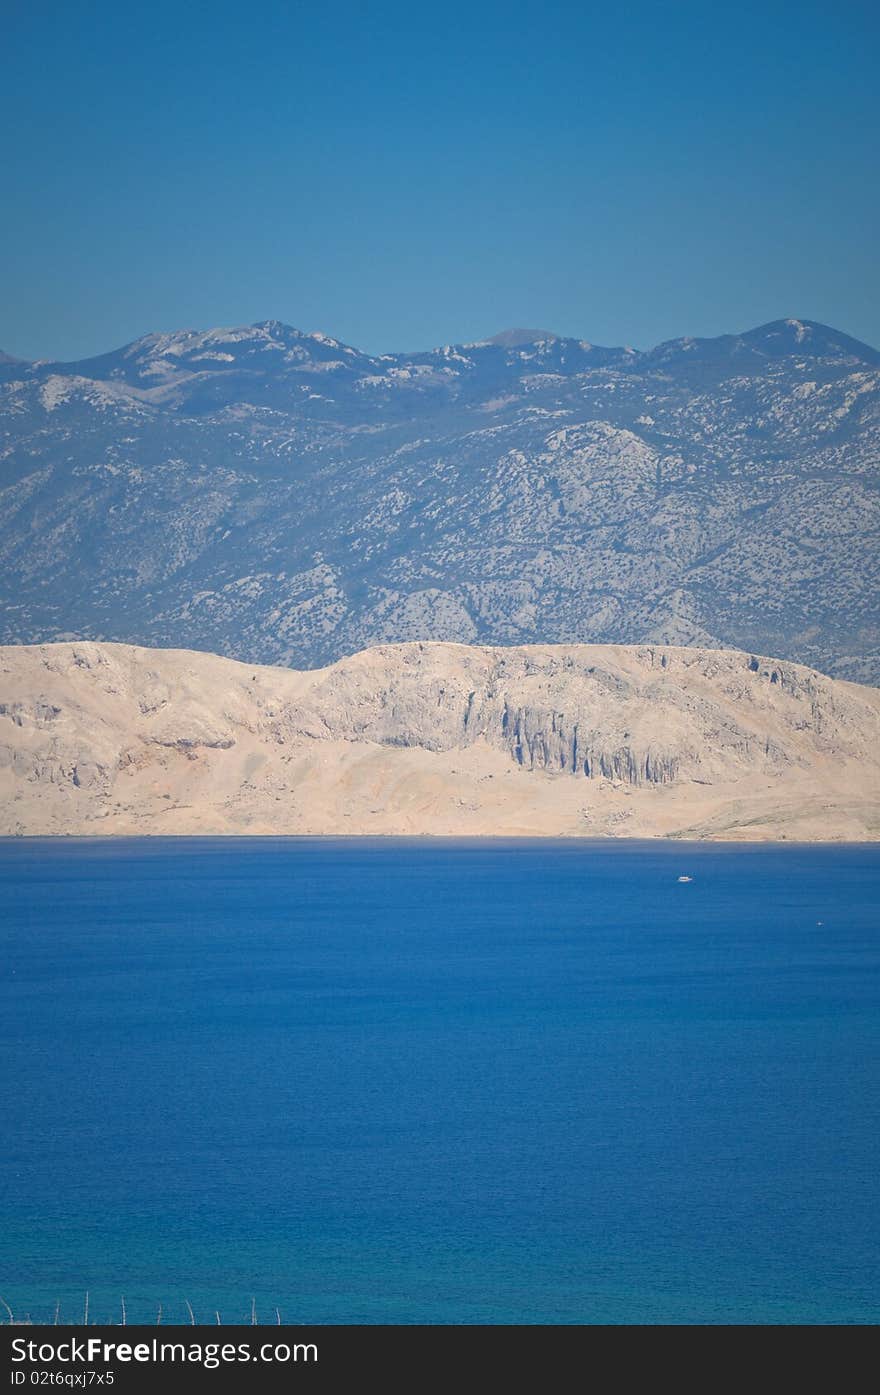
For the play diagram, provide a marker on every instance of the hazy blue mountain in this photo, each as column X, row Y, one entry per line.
column 516, row 338
column 282, row 496
column 749, row 352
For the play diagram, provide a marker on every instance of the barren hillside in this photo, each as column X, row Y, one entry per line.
column 588, row 740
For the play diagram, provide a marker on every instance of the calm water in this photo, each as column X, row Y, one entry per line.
column 442, row 1082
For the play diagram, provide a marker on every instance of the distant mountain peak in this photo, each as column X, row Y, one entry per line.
column 776, row 340
column 274, row 327
column 517, row 338
column 809, row 337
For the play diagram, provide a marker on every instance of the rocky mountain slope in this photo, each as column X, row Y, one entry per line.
column 277, row 495
column 436, row 738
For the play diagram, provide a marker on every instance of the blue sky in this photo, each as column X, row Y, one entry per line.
column 408, row 175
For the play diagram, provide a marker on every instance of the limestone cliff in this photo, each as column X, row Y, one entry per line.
column 436, row 738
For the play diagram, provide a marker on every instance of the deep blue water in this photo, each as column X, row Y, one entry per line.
column 426, row 1081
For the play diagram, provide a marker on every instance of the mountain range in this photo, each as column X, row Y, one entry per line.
column 284, row 498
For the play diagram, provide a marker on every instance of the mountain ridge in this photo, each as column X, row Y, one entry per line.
column 785, row 336
column 435, row 738
column 268, row 493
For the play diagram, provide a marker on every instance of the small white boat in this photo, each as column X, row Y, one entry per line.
column 685, row 879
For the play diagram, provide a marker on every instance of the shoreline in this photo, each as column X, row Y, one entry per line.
column 435, row 839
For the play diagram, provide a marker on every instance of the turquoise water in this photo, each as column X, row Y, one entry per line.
column 429, row 1081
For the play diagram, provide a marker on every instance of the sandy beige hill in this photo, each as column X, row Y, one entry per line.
column 589, row 740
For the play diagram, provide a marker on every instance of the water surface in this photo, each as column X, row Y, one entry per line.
column 432, row 1081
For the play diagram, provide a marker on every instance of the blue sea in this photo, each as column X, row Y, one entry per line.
column 436, row 1081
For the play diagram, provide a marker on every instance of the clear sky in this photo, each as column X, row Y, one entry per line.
column 405, row 175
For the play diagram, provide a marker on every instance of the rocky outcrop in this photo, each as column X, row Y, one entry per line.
column 436, row 738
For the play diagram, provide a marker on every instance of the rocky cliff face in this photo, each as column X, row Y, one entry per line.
column 436, row 738
column 647, row 715
column 263, row 492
